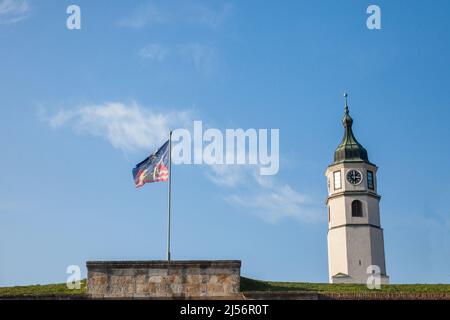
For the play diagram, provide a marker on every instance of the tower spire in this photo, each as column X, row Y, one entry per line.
column 349, row 149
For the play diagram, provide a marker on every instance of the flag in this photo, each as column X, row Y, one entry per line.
column 154, row 168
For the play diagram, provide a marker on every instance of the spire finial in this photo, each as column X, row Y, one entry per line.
column 346, row 104
column 347, row 121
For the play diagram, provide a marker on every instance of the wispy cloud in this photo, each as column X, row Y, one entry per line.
column 203, row 57
column 210, row 17
column 127, row 127
column 227, row 175
column 263, row 196
column 12, row 11
column 147, row 14
column 154, row 51
column 186, row 13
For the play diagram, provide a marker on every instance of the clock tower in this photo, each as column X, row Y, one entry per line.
column 355, row 236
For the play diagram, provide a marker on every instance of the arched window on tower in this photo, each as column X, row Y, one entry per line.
column 357, row 210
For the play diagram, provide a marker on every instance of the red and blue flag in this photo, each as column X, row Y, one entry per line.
column 154, row 168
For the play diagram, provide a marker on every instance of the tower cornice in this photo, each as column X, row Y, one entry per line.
column 353, row 162
column 350, row 225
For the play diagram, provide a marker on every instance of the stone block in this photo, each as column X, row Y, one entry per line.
column 163, row 279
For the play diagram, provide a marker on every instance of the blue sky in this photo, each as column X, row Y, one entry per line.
column 78, row 109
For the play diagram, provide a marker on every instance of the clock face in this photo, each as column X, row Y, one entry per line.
column 354, row 177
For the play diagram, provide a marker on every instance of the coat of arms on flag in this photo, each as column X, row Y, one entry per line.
column 154, row 168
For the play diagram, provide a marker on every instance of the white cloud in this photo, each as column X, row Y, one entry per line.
column 202, row 56
column 210, row 17
column 154, row 52
column 130, row 127
column 147, row 14
column 227, row 175
column 127, row 127
column 12, row 11
column 263, row 196
column 184, row 13
column 274, row 204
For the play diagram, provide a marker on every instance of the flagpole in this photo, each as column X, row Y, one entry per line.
column 169, row 187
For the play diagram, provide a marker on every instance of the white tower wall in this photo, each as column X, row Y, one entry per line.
column 354, row 243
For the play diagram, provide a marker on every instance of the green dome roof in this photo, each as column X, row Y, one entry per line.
column 349, row 150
